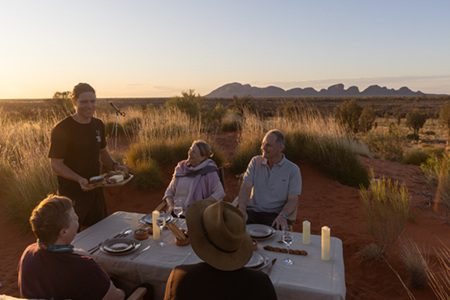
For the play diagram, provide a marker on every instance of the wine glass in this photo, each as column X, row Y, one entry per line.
column 161, row 222
column 287, row 240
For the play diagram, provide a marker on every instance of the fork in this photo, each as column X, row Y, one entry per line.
column 140, row 252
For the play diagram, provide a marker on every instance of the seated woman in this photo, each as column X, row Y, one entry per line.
column 194, row 179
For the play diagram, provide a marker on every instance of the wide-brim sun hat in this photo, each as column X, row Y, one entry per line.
column 218, row 235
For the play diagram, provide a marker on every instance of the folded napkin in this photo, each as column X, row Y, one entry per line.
column 284, row 250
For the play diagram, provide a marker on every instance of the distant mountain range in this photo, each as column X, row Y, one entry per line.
column 231, row 90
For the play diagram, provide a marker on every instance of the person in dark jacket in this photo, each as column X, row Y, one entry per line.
column 218, row 236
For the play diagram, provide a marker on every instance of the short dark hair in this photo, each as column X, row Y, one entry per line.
column 278, row 134
column 49, row 217
column 81, row 88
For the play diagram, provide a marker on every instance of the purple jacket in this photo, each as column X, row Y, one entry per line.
column 201, row 186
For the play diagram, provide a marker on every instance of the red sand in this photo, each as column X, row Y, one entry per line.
column 323, row 202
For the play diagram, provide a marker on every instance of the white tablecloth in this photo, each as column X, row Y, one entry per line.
column 308, row 278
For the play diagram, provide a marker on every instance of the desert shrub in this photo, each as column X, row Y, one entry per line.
column 212, row 118
column 415, row 157
column 147, row 174
column 371, row 252
column 433, row 167
column 366, row 119
column 244, row 154
column 131, row 126
column 348, row 114
column 328, row 155
column 387, row 145
column 415, row 120
column 189, row 103
column 26, row 173
column 444, row 116
column 240, row 105
column 415, row 263
column 331, row 150
column 231, row 122
column 439, row 277
column 386, row 203
column 442, row 199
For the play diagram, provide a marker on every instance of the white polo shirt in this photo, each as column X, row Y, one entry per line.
column 272, row 186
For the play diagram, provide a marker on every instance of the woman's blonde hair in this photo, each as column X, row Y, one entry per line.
column 204, row 147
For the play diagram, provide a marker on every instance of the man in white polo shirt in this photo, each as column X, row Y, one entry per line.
column 271, row 185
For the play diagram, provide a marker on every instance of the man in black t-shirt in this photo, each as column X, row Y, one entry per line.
column 78, row 146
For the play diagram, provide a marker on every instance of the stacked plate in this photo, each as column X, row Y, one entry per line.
column 260, row 231
column 119, row 246
column 257, row 261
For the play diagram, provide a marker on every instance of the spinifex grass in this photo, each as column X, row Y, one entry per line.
column 310, row 137
column 387, row 208
column 27, row 175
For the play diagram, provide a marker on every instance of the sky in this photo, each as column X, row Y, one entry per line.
column 133, row 48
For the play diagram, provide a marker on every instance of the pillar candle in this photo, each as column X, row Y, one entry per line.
column 325, row 243
column 155, row 227
column 306, row 232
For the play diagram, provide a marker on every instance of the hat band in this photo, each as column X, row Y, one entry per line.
column 212, row 243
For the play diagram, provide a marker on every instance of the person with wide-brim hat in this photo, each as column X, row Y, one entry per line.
column 218, row 236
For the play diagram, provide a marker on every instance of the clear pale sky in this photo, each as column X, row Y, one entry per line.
column 127, row 48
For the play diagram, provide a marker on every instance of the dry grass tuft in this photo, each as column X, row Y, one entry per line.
column 387, row 207
column 415, row 263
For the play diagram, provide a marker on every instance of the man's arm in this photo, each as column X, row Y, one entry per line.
column 61, row 169
column 114, row 293
column 110, row 163
column 280, row 221
column 244, row 198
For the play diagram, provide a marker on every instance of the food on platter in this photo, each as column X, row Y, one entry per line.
column 284, row 250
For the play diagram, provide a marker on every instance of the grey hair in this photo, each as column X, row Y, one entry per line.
column 278, row 134
column 205, row 149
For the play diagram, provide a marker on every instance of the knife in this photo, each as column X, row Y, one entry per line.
column 271, row 266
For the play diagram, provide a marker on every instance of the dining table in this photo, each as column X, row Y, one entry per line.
column 309, row 277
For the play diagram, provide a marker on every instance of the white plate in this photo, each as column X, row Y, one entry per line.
column 148, row 218
column 118, row 245
column 255, row 261
column 259, row 231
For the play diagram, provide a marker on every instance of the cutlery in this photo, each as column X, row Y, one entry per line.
column 140, row 252
column 271, row 266
column 124, row 233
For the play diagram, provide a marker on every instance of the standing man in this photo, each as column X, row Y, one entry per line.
column 274, row 183
column 77, row 147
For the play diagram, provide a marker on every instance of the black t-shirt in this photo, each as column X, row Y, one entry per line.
column 201, row 281
column 79, row 146
column 49, row 275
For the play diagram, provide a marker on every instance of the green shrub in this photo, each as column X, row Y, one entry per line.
column 444, row 116
column 348, row 114
column 433, row 167
column 147, row 174
column 366, row 119
column 189, row 103
column 244, row 154
column 415, row 120
column 387, row 146
column 387, row 207
column 415, row 157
